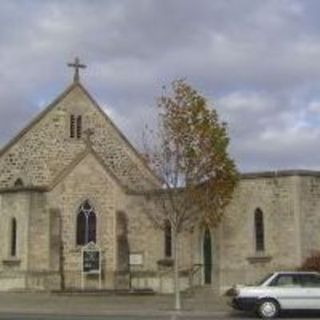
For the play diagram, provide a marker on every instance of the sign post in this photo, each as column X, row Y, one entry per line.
column 90, row 262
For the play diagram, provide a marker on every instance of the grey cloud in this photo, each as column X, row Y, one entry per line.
column 258, row 60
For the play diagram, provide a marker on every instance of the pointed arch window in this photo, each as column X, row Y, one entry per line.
column 259, row 230
column 13, row 243
column 86, row 224
column 79, row 126
column 75, row 126
column 72, row 126
column 18, row 183
column 167, row 239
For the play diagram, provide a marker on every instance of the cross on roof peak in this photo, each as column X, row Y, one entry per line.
column 76, row 65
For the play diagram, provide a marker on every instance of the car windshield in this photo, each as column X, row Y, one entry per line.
column 264, row 279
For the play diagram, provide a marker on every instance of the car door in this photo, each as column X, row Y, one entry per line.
column 285, row 288
column 310, row 291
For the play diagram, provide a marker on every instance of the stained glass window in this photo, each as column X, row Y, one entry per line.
column 86, row 224
column 13, row 250
column 72, row 126
column 167, row 239
column 259, row 230
column 79, row 127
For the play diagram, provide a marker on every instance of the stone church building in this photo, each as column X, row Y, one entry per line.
column 71, row 178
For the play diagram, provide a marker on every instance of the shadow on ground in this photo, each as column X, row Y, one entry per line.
column 283, row 315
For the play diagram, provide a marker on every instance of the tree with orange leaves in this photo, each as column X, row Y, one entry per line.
column 189, row 153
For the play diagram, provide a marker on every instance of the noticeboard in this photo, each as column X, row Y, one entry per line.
column 91, row 261
column 91, row 258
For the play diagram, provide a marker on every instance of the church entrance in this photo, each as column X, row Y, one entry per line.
column 207, row 257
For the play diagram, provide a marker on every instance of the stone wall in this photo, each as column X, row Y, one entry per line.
column 290, row 204
column 309, row 196
column 14, row 205
column 40, row 152
column 44, row 155
column 59, row 173
column 146, row 237
column 29, row 267
column 87, row 181
column 277, row 198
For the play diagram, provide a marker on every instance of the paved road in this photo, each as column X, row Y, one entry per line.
column 111, row 317
column 42, row 303
column 106, row 317
column 167, row 316
column 45, row 306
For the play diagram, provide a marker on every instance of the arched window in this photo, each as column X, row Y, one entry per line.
column 92, row 222
column 122, row 242
column 75, row 126
column 167, row 239
column 81, row 228
column 79, row 127
column 18, row 183
column 259, row 230
column 72, row 126
column 207, row 256
column 86, row 224
column 13, row 248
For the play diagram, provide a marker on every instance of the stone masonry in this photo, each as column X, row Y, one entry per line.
column 45, row 176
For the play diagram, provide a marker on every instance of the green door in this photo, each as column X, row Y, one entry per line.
column 207, row 257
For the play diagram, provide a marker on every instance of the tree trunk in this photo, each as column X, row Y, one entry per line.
column 176, row 270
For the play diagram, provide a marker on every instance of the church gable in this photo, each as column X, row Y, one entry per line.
column 86, row 182
column 61, row 132
column 86, row 175
column 83, row 166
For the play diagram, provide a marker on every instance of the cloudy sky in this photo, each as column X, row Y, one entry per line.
column 257, row 61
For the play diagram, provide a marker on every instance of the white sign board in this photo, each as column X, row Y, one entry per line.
column 136, row 259
column 90, row 261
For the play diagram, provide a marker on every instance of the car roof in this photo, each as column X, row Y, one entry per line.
column 296, row 272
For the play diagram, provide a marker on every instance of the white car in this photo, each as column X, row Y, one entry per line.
column 279, row 291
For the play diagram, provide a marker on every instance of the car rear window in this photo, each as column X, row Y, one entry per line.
column 310, row 280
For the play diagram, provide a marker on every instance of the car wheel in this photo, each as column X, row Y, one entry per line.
column 268, row 309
